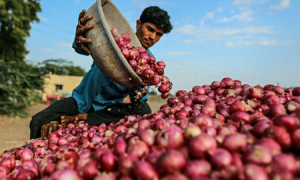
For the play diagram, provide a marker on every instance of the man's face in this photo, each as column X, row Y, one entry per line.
column 148, row 33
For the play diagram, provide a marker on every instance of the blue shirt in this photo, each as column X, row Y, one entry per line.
column 98, row 91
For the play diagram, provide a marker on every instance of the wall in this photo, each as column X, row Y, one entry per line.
column 68, row 84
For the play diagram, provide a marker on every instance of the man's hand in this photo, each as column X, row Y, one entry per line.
column 81, row 29
column 49, row 128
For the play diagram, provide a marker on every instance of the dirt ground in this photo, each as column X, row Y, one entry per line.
column 15, row 131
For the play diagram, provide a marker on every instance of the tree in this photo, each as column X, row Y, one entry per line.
column 18, row 78
column 60, row 67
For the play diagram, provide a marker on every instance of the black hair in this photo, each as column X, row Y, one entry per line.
column 157, row 16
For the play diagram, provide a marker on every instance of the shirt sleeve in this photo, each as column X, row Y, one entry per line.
column 78, row 49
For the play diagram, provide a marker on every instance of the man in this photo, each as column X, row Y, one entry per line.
column 98, row 99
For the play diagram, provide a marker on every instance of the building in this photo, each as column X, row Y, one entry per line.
column 59, row 86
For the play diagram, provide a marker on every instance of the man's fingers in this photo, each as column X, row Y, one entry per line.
column 81, row 14
column 83, row 20
column 86, row 49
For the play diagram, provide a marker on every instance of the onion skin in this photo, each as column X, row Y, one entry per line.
column 208, row 144
column 171, row 161
column 144, row 171
column 254, row 172
column 235, row 142
column 197, row 168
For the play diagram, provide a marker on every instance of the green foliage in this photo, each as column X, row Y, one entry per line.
column 60, row 67
column 19, row 79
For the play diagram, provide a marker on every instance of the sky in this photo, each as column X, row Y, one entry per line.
column 254, row 41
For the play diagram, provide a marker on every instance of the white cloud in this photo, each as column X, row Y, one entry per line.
column 145, row 3
column 43, row 18
column 244, row 16
column 46, row 49
column 243, row 1
column 282, row 5
column 64, row 44
column 217, row 32
column 178, row 53
column 262, row 42
column 238, row 2
column 208, row 15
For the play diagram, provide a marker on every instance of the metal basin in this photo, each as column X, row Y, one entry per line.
column 104, row 49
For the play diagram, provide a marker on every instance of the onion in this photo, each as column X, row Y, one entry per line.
column 177, row 176
column 107, row 161
column 26, row 174
column 90, row 170
column 144, row 171
column 202, row 120
column 227, row 83
column 125, row 164
column 171, row 161
column 170, row 137
column 215, row 85
column 192, row 131
column 119, row 147
column 148, row 136
column 271, row 145
column 271, row 99
column 276, row 109
column 220, row 158
column 287, row 161
column 4, row 171
column 280, row 136
column 287, row 122
column 208, row 143
column 235, row 142
column 296, row 91
column 9, row 162
column 258, row 154
column 26, row 154
column 254, row 93
column 237, row 106
column 138, row 149
column 197, row 168
column 254, row 172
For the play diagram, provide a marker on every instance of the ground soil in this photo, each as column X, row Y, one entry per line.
column 14, row 131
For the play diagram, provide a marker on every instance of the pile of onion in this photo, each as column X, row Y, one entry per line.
column 225, row 130
column 145, row 66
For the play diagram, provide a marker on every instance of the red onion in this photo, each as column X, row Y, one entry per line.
column 276, row 109
column 119, row 147
column 220, row 158
column 170, row 137
column 197, row 168
column 177, row 176
column 287, row 161
column 9, row 162
column 237, row 106
column 215, row 85
column 26, row 174
column 227, row 83
column 4, row 171
column 258, row 154
column 27, row 154
column 107, row 161
column 271, row 99
column 254, row 172
column 296, row 91
column 208, row 143
column 235, row 142
column 148, row 136
column 138, row 149
column 192, row 131
column 254, row 93
column 144, row 171
column 287, row 122
column 202, row 120
column 125, row 164
column 271, row 145
column 171, row 161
